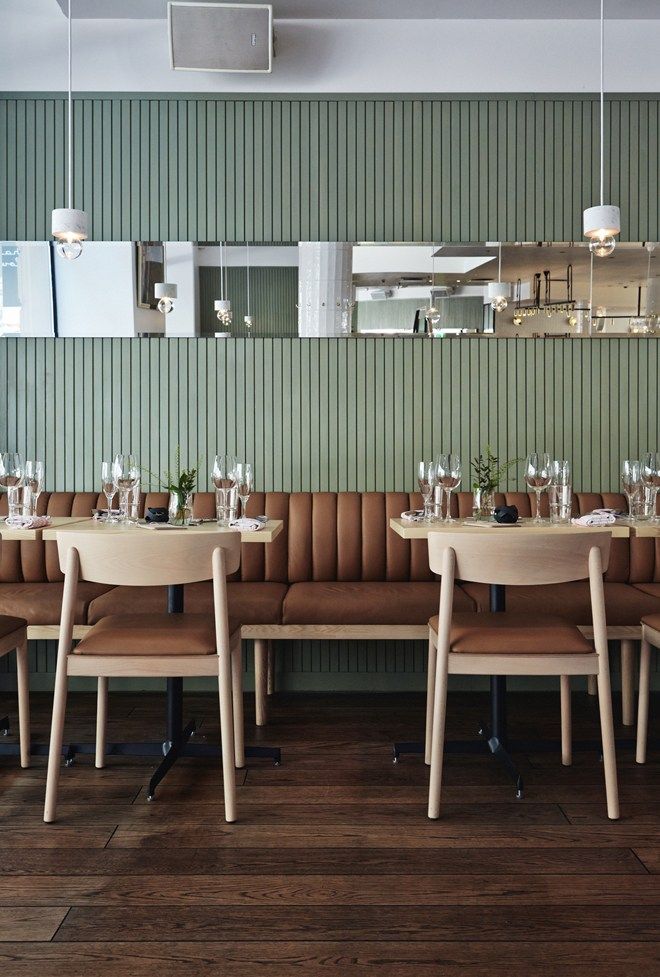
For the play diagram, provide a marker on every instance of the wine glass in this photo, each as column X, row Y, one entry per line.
column 108, row 486
column 34, row 483
column 631, row 481
column 11, row 478
column 537, row 477
column 651, row 479
column 427, row 479
column 126, row 473
column 449, row 477
column 244, row 484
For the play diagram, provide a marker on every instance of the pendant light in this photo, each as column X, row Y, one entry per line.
column 68, row 225
column 222, row 305
column 602, row 223
column 247, row 319
column 499, row 292
column 166, row 291
column 432, row 315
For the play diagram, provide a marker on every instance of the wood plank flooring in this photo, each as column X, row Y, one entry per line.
column 333, row 867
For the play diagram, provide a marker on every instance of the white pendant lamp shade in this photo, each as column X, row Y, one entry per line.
column 68, row 225
column 165, row 292
column 601, row 222
column 222, row 306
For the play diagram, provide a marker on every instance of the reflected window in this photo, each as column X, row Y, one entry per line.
column 26, row 289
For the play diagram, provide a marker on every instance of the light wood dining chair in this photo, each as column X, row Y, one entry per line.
column 515, row 644
column 650, row 638
column 149, row 645
column 13, row 637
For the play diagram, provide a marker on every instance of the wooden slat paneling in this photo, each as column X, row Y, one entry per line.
column 439, row 167
column 273, row 300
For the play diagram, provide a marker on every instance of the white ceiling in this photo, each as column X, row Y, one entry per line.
column 394, row 9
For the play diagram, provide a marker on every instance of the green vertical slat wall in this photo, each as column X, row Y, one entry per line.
column 336, row 415
column 273, row 300
column 452, row 168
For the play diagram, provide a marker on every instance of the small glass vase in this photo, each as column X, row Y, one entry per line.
column 179, row 509
column 483, row 504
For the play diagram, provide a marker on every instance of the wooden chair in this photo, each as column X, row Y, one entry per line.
column 650, row 636
column 154, row 645
column 513, row 644
column 13, row 637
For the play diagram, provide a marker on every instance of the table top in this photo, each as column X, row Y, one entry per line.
column 420, row 530
column 57, row 523
column 646, row 528
column 270, row 531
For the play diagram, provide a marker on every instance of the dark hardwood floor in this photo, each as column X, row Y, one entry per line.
column 333, row 867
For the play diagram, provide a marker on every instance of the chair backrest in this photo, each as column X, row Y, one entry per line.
column 518, row 558
column 149, row 558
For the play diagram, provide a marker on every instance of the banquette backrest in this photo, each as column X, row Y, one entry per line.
column 328, row 536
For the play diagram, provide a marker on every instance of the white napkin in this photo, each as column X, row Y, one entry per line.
column 413, row 515
column 245, row 525
column 158, row 525
column 28, row 522
column 596, row 518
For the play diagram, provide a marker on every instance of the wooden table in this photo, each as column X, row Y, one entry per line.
column 57, row 523
column 270, row 531
column 496, row 735
column 646, row 529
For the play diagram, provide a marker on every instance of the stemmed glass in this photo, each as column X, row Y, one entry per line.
column 11, row 478
column 244, row 484
column 126, row 472
column 108, row 487
column 651, row 479
column 631, row 482
column 449, row 477
column 34, row 483
column 427, row 479
column 537, row 477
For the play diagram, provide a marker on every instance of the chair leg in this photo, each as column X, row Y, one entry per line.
column 566, row 724
column 430, row 693
column 643, row 705
column 270, row 687
column 56, row 736
column 592, row 685
column 260, row 680
column 101, row 720
column 237, row 697
column 438, row 735
column 23, row 681
column 607, row 734
column 227, row 735
column 627, row 682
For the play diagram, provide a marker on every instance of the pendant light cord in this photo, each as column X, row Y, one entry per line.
column 602, row 100
column 499, row 263
column 222, row 273
column 70, row 109
column 247, row 249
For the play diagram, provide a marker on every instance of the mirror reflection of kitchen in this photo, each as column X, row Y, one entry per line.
column 328, row 289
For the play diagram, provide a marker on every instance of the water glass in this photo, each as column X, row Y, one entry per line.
column 427, row 480
column 448, row 467
column 108, row 487
column 560, row 493
column 226, row 505
column 651, row 480
column 631, row 482
column 244, row 484
column 33, row 486
column 11, row 478
column 537, row 476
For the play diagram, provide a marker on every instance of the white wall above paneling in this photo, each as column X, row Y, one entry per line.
column 472, row 55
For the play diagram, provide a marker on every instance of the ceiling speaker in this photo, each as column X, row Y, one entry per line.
column 220, row 36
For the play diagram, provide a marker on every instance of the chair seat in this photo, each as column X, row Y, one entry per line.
column 514, row 634
column 652, row 621
column 365, row 602
column 10, row 624
column 152, row 634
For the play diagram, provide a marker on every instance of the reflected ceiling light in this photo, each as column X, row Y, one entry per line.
column 499, row 292
column 68, row 225
column 432, row 314
column 601, row 224
column 247, row 319
column 165, row 292
column 222, row 305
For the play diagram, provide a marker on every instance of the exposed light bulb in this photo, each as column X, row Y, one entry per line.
column 69, row 250
column 432, row 315
column 602, row 247
column 572, row 321
column 165, row 306
column 249, row 321
column 517, row 319
column 499, row 303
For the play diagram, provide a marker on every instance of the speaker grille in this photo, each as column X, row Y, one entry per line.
column 220, row 36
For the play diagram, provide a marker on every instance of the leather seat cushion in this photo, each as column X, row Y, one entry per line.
column 9, row 624
column 624, row 604
column 41, row 603
column 652, row 621
column 652, row 589
column 365, row 602
column 249, row 603
column 151, row 634
column 514, row 634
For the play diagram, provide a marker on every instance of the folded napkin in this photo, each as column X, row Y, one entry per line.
column 245, row 525
column 28, row 522
column 413, row 515
column 595, row 518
